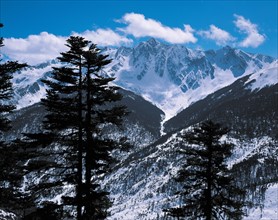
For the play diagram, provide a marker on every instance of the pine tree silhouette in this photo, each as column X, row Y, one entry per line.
column 208, row 189
column 79, row 102
column 10, row 175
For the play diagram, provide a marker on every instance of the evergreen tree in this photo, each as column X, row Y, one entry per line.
column 65, row 111
column 97, row 114
column 208, row 189
column 79, row 104
column 10, row 175
column 6, row 91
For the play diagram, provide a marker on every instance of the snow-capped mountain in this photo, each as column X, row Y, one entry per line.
column 173, row 76
column 183, row 87
column 170, row 76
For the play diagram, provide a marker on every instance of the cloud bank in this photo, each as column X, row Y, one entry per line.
column 220, row 36
column 254, row 38
column 45, row 46
column 105, row 37
column 139, row 26
column 35, row 48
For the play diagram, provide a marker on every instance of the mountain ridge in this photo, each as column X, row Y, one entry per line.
column 170, row 76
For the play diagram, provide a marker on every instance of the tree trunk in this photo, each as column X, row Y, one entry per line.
column 80, row 149
column 209, row 185
column 88, row 150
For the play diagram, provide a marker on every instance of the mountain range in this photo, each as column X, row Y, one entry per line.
column 170, row 76
column 167, row 89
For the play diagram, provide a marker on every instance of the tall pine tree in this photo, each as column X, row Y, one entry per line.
column 64, row 103
column 80, row 101
column 208, row 189
column 11, row 171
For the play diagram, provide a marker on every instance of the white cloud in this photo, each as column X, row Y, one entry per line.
column 254, row 38
column 105, row 37
column 45, row 46
column 35, row 48
column 220, row 36
column 139, row 26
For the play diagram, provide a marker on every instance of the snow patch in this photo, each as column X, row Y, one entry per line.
column 266, row 77
column 270, row 209
column 7, row 215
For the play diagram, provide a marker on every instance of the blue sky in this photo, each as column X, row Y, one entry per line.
column 37, row 30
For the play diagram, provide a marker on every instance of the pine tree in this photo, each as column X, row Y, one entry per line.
column 79, row 104
column 10, row 173
column 6, row 91
column 65, row 111
column 98, row 114
column 208, row 189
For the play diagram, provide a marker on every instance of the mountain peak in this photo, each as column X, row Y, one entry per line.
column 227, row 47
column 153, row 42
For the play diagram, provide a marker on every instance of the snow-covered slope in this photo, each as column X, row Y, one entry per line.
column 28, row 88
column 143, row 185
column 170, row 76
column 7, row 215
column 248, row 106
column 269, row 209
column 265, row 77
column 173, row 76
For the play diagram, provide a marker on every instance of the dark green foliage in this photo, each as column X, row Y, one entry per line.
column 77, row 105
column 49, row 210
column 11, row 170
column 6, row 91
column 208, row 189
